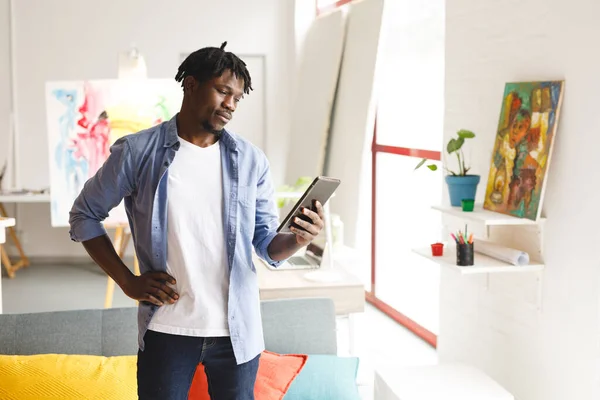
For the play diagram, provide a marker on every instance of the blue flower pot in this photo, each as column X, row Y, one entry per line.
column 462, row 187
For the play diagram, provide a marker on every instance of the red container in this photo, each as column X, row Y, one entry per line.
column 437, row 249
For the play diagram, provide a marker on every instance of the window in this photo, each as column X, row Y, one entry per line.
column 328, row 5
column 322, row 4
column 409, row 127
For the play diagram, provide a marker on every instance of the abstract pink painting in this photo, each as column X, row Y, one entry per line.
column 84, row 118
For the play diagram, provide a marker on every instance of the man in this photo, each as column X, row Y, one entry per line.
column 198, row 199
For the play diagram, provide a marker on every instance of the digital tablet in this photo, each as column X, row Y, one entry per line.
column 321, row 189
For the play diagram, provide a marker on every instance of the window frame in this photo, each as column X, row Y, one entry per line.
column 381, row 148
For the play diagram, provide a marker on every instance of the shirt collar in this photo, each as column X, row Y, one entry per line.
column 172, row 138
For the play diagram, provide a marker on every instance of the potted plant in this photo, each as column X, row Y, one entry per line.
column 461, row 185
column 300, row 186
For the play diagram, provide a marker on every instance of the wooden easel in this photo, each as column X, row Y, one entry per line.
column 11, row 267
column 120, row 242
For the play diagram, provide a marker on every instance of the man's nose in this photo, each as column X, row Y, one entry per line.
column 229, row 103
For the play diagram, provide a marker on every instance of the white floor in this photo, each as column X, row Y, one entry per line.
column 379, row 341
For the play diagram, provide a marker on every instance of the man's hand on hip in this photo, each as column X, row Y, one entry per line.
column 151, row 287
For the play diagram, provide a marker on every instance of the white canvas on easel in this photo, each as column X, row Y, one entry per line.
column 84, row 118
column 315, row 91
column 348, row 154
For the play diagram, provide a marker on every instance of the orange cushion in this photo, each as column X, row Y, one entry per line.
column 275, row 375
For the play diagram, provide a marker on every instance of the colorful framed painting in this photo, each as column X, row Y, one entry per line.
column 84, row 118
column 523, row 148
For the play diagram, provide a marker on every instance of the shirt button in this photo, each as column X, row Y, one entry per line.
column 166, row 163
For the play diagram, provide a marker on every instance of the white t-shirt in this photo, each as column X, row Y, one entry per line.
column 196, row 252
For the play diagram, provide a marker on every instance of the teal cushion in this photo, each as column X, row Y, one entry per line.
column 325, row 377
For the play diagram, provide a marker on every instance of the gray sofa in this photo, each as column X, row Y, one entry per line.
column 291, row 326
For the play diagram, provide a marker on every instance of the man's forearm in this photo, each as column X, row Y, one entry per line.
column 283, row 246
column 103, row 253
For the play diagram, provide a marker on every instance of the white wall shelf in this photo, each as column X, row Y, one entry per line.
column 485, row 217
column 482, row 265
column 25, row 198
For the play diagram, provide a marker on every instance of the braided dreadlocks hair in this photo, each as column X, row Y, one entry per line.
column 210, row 62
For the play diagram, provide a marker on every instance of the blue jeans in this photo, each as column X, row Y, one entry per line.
column 168, row 363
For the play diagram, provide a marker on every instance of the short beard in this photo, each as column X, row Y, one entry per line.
column 207, row 126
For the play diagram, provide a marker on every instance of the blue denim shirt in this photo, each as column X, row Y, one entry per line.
column 136, row 172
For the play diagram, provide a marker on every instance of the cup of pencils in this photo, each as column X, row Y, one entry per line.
column 464, row 248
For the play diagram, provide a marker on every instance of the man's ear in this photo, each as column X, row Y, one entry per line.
column 189, row 84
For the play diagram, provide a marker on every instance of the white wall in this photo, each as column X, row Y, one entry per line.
column 75, row 39
column 304, row 16
column 4, row 84
column 551, row 354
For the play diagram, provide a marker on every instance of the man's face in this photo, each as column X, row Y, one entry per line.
column 213, row 102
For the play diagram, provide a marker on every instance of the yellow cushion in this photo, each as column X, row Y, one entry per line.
column 66, row 377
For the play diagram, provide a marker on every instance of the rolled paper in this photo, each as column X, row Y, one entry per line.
column 502, row 253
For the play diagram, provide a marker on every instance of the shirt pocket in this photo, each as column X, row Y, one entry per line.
column 247, row 196
column 247, row 210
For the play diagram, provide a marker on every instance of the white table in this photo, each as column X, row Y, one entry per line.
column 18, row 198
column 4, row 223
column 347, row 293
column 25, row 198
column 437, row 382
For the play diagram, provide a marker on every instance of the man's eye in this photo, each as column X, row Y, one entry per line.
column 237, row 100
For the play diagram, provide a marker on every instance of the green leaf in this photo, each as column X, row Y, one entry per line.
column 451, row 146
column 432, row 167
column 465, row 134
column 454, row 145
column 423, row 161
